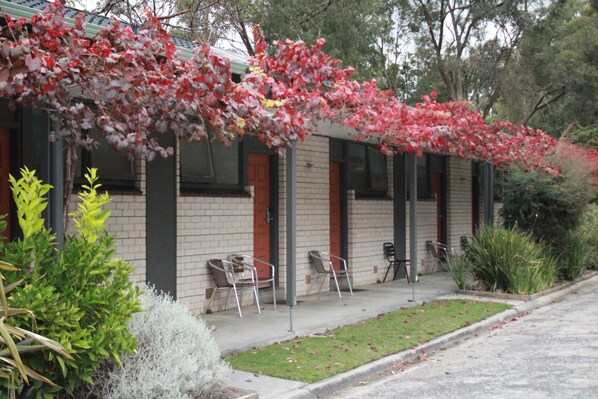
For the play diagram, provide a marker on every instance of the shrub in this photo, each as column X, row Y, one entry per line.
column 16, row 343
column 81, row 295
column 589, row 232
column 572, row 261
column 460, row 270
column 550, row 206
column 506, row 260
column 177, row 358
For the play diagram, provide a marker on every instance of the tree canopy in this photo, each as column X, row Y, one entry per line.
column 140, row 89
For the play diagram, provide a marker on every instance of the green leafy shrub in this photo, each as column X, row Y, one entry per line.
column 17, row 343
column 460, row 270
column 177, row 357
column 546, row 206
column 81, row 295
column 506, row 260
column 586, row 136
column 572, row 261
column 589, row 232
column 550, row 206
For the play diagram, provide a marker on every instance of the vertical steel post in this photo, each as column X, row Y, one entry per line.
column 412, row 159
column 291, row 229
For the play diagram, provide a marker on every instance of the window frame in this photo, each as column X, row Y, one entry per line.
column 191, row 184
column 368, row 186
column 424, row 186
column 119, row 180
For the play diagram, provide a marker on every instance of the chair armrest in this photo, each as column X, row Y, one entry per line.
column 229, row 275
column 336, row 257
column 270, row 265
column 250, row 261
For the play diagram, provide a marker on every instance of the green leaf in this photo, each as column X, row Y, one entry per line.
column 13, row 350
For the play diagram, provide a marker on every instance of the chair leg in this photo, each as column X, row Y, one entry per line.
column 226, row 300
column 349, row 282
column 336, row 282
column 322, row 283
column 387, row 269
column 257, row 299
column 210, row 301
column 237, row 298
column 406, row 272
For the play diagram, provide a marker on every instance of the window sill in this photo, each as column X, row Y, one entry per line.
column 214, row 192
column 112, row 189
column 372, row 197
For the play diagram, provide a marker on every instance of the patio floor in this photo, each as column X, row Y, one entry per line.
column 317, row 313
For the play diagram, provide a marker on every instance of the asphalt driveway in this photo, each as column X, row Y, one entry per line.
column 551, row 352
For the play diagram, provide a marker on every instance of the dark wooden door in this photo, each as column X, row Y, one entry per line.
column 4, row 185
column 335, row 213
column 258, row 176
column 440, row 217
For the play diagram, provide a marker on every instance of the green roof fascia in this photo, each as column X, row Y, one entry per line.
column 18, row 11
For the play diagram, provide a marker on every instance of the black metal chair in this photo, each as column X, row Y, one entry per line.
column 393, row 262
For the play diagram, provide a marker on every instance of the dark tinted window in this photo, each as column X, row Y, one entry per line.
column 209, row 163
column 356, row 168
column 424, row 178
column 114, row 168
column 377, row 169
column 366, row 169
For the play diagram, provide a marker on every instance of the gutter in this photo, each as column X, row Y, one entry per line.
column 237, row 65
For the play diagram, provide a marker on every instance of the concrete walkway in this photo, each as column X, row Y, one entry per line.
column 314, row 313
column 318, row 313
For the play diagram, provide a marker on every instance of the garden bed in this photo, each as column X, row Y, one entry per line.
column 562, row 284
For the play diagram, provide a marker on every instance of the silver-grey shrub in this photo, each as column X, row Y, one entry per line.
column 177, row 358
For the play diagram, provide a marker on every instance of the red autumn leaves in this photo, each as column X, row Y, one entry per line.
column 132, row 87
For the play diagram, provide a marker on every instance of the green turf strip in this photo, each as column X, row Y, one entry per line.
column 315, row 358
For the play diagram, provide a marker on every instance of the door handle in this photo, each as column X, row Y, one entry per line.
column 269, row 217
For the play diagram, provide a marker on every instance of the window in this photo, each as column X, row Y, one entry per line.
column 424, row 178
column 366, row 169
column 500, row 182
column 210, row 164
column 114, row 169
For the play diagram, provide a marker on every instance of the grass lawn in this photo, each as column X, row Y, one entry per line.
column 315, row 358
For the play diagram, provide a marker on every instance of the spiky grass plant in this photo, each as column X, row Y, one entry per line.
column 504, row 259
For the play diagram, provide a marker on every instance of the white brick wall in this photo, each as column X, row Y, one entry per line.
column 459, row 201
column 426, row 230
column 370, row 225
column 126, row 223
column 207, row 228
column 214, row 227
column 313, row 216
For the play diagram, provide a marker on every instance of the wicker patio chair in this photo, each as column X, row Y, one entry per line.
column 323, row 264
column 244, row 260
column 230, row 277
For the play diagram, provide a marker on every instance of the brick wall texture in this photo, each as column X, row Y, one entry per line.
column 214, row 227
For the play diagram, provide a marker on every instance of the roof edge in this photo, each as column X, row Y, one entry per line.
column 18, row 11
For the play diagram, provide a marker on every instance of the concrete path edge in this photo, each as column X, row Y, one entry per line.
column 351, row 377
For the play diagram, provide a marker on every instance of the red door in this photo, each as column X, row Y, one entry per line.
column 437, row 189
column 258, row 173
column 4, row 171
column 335, row 213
